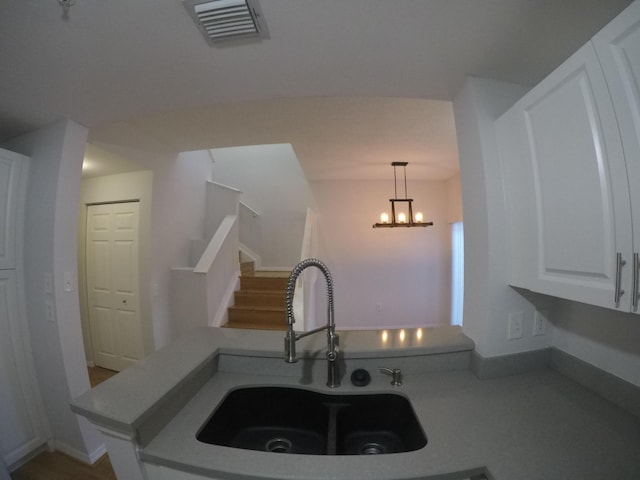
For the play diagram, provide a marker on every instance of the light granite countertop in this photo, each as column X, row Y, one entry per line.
column 538, row 425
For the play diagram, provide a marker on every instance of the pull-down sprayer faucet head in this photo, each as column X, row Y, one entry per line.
column 332, row 339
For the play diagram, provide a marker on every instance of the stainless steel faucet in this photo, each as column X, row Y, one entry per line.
column 333, row 374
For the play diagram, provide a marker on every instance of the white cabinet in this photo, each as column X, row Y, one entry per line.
column 20, row 421
column 571, row 168
column 618, row 47
column 11, row 182
column 22, row 424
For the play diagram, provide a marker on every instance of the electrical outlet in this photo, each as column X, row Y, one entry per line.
column 67, row 278
column 49, row 310
column 516, row 325
column 540, row 322
column 379, row 307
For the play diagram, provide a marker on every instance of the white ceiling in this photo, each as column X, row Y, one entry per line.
column 351, row 84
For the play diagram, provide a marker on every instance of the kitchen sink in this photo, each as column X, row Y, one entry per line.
column 295, row 420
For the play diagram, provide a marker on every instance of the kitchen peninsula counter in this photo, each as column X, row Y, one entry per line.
column 538, row 425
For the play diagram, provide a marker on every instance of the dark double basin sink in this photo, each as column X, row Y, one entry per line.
column 294, row 420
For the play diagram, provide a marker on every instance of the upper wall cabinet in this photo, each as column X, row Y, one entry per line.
column 618, row 47
column 564, row 160
column 12, row 168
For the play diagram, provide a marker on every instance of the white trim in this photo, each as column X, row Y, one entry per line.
column 221, row 316
column 226, row 187
column 218, row 239
column 254, row 256
column 457, row 273
column 90, row 458
column 253, row 211
column 113, row 433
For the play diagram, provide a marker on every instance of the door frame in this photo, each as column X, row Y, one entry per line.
column 119, row 188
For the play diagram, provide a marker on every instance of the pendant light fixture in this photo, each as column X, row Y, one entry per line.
column 400, row 219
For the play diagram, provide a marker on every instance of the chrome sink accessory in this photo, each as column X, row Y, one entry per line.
column 360, row 377
column 333, row 374
column 396, row 375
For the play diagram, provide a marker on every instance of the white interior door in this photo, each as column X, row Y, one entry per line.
column 112, row 284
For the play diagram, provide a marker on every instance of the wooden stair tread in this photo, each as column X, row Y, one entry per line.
column 258, row 314
column 268, row 274
column 255, row 326
column 262, row 283
column 248, row 291
column 259, row 308
column 260, row 302
column 265, row 298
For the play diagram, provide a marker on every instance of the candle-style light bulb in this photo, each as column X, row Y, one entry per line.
column 384, row 217
column 402, row 218
column 419, row 217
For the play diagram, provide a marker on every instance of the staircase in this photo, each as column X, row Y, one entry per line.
column 260, row 302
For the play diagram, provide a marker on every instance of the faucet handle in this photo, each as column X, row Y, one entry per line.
column 396, row 375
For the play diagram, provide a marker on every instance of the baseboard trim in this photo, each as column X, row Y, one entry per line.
column 221, row 316
column 32, row 454
column 90, row 458
column 504, row 365
column 616, row 390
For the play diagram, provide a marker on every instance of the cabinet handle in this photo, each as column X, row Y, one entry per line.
column 634, row 283
column 618, row 291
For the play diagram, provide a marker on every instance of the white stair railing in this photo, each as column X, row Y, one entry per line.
column 250, row 230
column 200, row 295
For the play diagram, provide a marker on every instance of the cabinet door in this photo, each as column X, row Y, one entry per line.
column 618, row 47
column 11, row 165
column 20, row 421
column 579, row 203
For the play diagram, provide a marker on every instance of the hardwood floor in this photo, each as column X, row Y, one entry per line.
column 97, row 375
column 58, row 466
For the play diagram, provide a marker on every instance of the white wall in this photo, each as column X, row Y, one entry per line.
column 272, row 183
column 118, row 188
column 404, row 271
column 50, row 244
column 177, row 216
column 384, row 278
column 488, row 299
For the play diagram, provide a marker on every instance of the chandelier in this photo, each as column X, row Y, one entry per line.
column 400, row 218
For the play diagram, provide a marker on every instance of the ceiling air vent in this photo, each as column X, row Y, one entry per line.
column 224, row 20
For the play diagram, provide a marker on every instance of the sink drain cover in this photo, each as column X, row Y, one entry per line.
column 372, row 449
column 278, row 445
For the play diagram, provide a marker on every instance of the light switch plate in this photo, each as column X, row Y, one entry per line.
column 68, row 282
